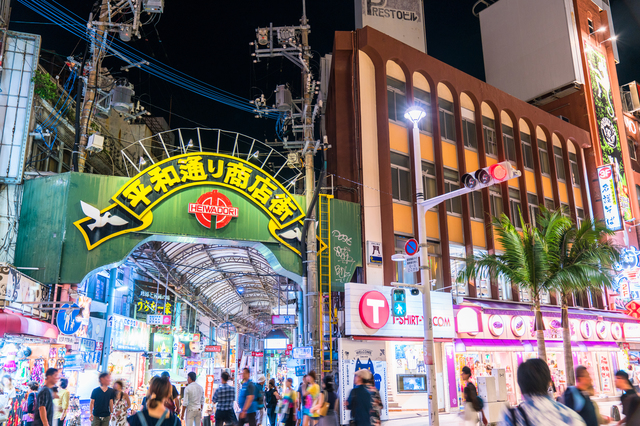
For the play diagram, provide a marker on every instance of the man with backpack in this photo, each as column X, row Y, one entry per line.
column 247, row 400
column 538, row 408
column 578, row 399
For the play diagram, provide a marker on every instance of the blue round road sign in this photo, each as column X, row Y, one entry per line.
column 67, row 322
column 411, row 247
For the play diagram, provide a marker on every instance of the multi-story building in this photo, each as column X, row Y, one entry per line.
column 469, row 125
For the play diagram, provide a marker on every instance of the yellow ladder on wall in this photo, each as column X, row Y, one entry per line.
column 324, row 278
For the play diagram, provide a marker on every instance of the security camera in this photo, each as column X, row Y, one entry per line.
column 415, row 292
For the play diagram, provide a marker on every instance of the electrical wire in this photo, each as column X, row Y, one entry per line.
column 65, row 19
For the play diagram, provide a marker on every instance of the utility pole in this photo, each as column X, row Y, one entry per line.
column 292, row 42
column 91, row 85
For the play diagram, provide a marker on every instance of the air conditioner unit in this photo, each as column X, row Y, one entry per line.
column 153, row 6
column 95, row 143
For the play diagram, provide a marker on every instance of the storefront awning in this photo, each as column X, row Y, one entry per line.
column 513, row 308
column 463, row 345
column 16, row 324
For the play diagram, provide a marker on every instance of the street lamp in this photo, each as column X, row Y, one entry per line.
column 415, row 114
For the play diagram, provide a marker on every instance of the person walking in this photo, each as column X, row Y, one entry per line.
column 260, row 399
column 629, row 399
column 29, row 403
column 331, row 397
column 43, row 415
column 246, row 400
column 359, row 401
column 224, row 397
column 538, row 409
column 376, row 401
column 289, row 404
column 302, row 385
column 471, row 402
column 271, row 397
column 193, row 402
column 173, row 403
column 310, row 396
column 62, row 403
column 121, row 404
column 578, row 397
column 155, row 413
column 101, row 404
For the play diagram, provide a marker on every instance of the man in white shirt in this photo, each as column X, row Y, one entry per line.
column 193, row 402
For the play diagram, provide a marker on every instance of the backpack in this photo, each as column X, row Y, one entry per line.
column 259, row 395
column 480, row 403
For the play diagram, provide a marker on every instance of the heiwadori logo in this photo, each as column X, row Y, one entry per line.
column 131, row 207
column 213, row 204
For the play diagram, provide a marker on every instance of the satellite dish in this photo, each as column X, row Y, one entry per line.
column 226, row 331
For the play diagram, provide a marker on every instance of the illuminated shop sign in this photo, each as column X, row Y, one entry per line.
column 128, row 334
column 213, row 205
column 368, row 308
column 625, row 292
column 609, row 199
column 610, row 144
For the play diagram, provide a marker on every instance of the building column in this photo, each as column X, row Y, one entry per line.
column 111, row 299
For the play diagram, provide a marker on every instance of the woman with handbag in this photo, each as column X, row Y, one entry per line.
column 272, row 397
column 328, row 416
column 28, row 404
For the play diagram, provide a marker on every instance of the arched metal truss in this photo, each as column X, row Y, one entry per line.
column 150, row 150
column 225, row 281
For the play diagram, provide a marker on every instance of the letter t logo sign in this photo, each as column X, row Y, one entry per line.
column 376, row 305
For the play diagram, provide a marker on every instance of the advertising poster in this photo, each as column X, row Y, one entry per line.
column 626, row 281
column 128, row 334
column 607, row 125
column 162, row 349
column 356, row 355
column 208, row 391
column 609, row 198
column 605, row 373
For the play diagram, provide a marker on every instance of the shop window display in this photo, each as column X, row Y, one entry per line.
column 482, row 365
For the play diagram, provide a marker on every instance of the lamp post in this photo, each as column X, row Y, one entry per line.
column 415, row 114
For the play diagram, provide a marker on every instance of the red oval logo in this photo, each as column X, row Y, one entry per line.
column 374, row 309
column 604, row 173
column 213, row 204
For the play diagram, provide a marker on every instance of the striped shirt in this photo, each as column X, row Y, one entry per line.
column 224, row 397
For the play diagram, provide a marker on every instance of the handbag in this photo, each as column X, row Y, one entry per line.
column 325, row 405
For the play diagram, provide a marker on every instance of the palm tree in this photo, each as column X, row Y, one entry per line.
column 525, row 262
column 582, row 260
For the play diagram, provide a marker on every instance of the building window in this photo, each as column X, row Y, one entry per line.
column 476, row 209
column 516, row 205
column 557, row 153
column 534, row 207
column 423, row 100
column 451, row 183
column 483, row 281
column 509, row 144
column 429, row 180
column 580, row 216
column 591, row 27
column 447, row 120
column 527, row 150
column 504, row 288
column 495, row 195
column 489, row 132
column 457, row 256
column 396, row 99
column 400, row 177
column 543, row 153
column 632, row 149
column 469, row 134
column 566, row 212
column 575, row 170
column 435, row 265
column 549, row 204
column 401, row 275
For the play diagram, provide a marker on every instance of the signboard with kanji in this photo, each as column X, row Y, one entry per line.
column 612, row 218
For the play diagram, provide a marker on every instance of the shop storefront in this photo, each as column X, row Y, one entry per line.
column 392, row 347
column 128, row 360
column 495, row 335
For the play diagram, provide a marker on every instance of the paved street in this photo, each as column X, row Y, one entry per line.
column 415, row 418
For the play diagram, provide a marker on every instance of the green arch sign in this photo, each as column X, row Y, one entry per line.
column 132, row 206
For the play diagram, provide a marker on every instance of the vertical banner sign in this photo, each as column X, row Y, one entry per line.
column 608, row 127
column 609, row 200
column 208, row 391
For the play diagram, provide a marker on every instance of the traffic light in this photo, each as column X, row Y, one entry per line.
column 497, row 173
column 399, row 299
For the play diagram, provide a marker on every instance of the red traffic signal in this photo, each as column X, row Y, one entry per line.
column 491, row 175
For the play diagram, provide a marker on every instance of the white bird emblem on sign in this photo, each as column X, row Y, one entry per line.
column 101, row 220
column 291, row 234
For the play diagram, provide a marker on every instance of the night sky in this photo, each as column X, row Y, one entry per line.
column 209, row 40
